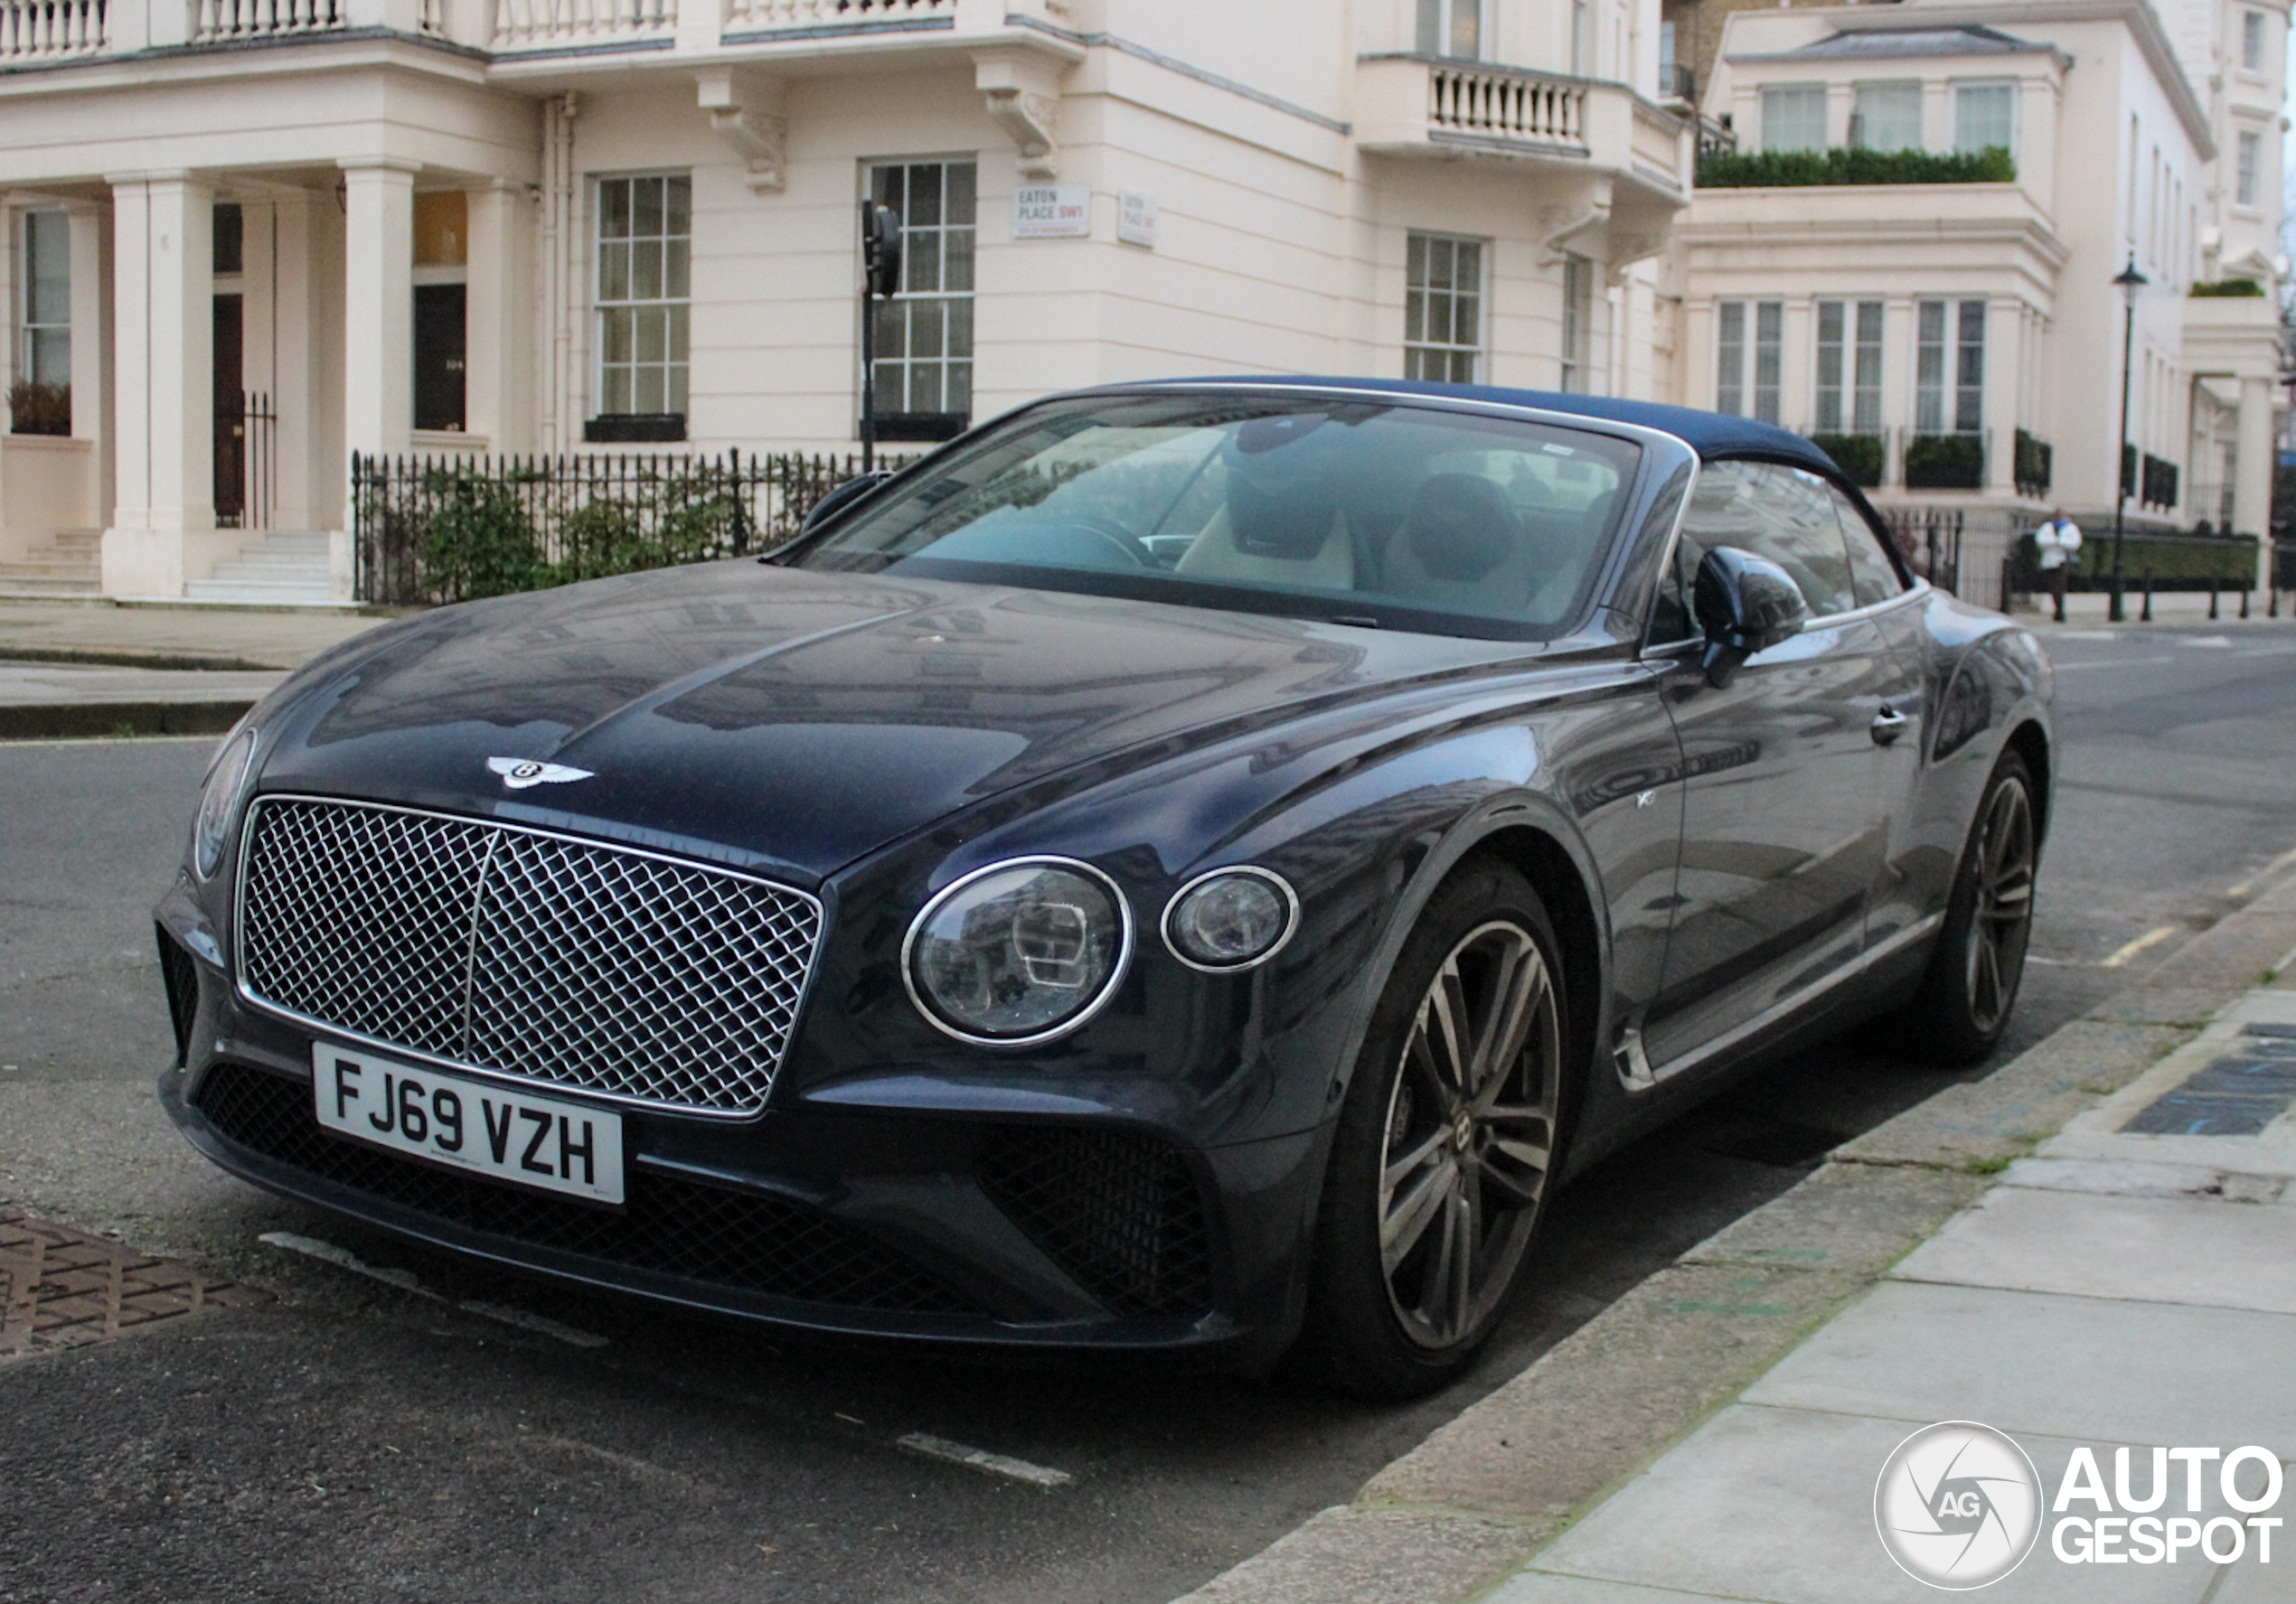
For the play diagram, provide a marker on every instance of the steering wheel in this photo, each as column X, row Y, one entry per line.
column 1135, row 550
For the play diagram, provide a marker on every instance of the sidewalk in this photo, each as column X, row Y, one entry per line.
column 2094, row 1245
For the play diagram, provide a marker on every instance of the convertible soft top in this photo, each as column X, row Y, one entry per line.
column 1710, row 434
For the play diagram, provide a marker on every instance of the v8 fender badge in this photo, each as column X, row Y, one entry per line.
column 519, row 773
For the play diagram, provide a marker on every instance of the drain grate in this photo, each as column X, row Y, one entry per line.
column 2233, row 1096
column 62, row 1288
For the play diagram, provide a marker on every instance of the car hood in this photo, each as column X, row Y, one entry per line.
column 800, row 719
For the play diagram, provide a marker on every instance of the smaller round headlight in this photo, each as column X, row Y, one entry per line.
column 220, row 800
column 1230, row 919
column 1018, row 952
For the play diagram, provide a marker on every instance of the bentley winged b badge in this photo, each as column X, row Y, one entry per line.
column 519, row 773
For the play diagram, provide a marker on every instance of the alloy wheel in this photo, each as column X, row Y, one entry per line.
column 1470, row 1132
column 2003, row 916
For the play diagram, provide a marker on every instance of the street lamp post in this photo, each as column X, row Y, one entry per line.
column 2130, row 281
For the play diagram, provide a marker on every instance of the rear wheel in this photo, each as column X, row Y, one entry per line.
column 1439, row 1170
column 1979, row 963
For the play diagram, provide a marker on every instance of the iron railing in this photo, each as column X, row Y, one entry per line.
column 450, row 528
column 246, row 462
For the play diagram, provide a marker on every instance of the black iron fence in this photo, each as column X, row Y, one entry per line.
column 246, row 461
column 1965, row 551
column 450, row 529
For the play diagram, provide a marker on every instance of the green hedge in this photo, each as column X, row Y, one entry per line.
column 1772, row 168
column 1945, row 461
column 1857, row 455
column 2237, row 289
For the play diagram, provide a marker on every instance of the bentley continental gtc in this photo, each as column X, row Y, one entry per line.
column 1189, row 866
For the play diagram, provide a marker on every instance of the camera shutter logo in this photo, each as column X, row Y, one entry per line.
column 1958, row 1505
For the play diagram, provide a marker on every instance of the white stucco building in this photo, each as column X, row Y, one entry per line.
column 1971, row 330
column 246, row 238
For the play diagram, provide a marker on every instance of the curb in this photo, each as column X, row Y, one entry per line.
column 117, row 658
column 1456, row 1515
column 36, row 721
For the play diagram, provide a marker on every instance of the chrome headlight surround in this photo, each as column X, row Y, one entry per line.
column 1248, row 871
column 919, row 994
column 219, row 797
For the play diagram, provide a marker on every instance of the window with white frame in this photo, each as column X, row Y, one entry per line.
column 43, row 348
column 2251, row 158
column 1849, row 385
column 2252, row 41
column 1984, row 118
column 1949, row 366
column 1443, row 308
column 644, row 258
column 1451, row 28
column 1749, row 352
column 1793, row 117
column 1578, row 323
column 924, row 334
column 1886, row 116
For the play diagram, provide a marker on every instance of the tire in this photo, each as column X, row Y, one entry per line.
column 1974, row 972
column 1402, row 1321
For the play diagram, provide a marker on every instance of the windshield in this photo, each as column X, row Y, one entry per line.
column 1371, row 513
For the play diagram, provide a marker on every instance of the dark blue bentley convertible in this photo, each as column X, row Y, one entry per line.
column 1188, row 865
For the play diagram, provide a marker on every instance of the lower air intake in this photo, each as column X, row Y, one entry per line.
column 1118, row 1211
column 672, row 1226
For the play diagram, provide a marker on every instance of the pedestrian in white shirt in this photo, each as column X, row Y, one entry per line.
column 2058, row 542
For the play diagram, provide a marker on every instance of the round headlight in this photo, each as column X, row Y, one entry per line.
column 1018, row 952
column 220, row 800
column 1232, row 918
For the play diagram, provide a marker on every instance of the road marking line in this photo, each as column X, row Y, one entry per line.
column 2263, row 874
column 2150, row 938
column 2114, row 663
column 956, row 1453
column 407, row 1281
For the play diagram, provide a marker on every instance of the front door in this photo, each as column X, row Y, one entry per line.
column 440, row 345
column 231, row 414
column 1784, row 818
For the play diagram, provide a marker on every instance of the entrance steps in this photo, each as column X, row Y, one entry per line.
column 289, row 568
column 69, row 565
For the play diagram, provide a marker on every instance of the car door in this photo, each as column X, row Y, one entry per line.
column 1914, row 875
column 1783, row 813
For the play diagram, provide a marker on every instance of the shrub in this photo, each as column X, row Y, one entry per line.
column 478, row 541
column 1945, row 461
column 2226, row 289
column 38, row 408
column 1857, row 455
column 1734, row 170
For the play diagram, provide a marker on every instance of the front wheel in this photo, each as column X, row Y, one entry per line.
column 1439, row 1169
column 1965, row 1002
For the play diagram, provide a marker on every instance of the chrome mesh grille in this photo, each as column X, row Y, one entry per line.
column 524, row 953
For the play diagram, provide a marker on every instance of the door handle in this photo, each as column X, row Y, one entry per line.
column 1888, row 724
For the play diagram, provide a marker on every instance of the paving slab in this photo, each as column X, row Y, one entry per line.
column 2049, row 1364
column 2153, row 1250
column 2238, row 952
column 2129, row 1177
column 1777, row 1505
column 1356, row 1556
column 1539, row 1587
column 2190, row 1006
column 1596, row 1406
column 172, row 637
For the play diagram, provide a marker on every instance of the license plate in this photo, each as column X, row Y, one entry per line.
column 542, row 1142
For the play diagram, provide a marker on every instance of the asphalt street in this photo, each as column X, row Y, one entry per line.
column 355, row 1439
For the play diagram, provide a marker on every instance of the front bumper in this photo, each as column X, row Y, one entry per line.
column 1078, row 1232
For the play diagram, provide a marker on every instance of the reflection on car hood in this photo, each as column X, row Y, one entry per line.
column 807, row 717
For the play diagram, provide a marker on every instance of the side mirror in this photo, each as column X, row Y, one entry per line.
column 844, row 496
column 1746, row 604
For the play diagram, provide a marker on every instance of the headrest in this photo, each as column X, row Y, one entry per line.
column 1280, row 496
column 1460, row 526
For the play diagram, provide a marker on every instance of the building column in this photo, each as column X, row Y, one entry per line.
column 378, row 306
column 2004, row 383
column 162, row 532
column 294, row 381
column 1798, row 365
column 1898, row 356
column 499, row 318
column 2252, row 493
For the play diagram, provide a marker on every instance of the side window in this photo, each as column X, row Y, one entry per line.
column 1872, row 574
column 1782, row 513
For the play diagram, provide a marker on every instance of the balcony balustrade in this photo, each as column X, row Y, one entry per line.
column 218, row 20
column 44, row 29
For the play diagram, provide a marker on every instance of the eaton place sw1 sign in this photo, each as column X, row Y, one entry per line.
column 1052, row 211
